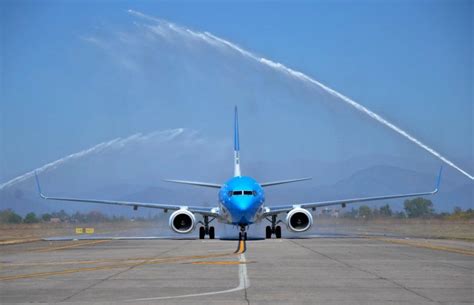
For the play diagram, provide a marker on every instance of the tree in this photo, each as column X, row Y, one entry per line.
column 62, row 215
column 46, row 217
column 385, row 210
column 418, row 207
column 400, row 215
column 8, row 216
column 30, row 218
column 365, row 212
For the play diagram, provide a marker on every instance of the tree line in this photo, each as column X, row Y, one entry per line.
column 10, row 217
column 412, row 208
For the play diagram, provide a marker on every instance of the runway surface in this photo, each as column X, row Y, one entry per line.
column 319, row 270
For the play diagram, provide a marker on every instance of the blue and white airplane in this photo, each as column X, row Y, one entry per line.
column 241, row 203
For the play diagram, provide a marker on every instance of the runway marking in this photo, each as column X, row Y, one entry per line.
column 118, row 260
column 244, row 283
column 120, row 264
column 425, row 245
column 70, row 246
column 18, row 241
column 241, row 247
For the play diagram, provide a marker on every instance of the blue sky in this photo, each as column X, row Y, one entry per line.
column 410, row 61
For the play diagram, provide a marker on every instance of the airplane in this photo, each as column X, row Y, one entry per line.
column 241, row 202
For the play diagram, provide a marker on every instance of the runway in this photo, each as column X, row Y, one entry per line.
column 317, row 270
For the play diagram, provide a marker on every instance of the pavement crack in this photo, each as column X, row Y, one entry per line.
column 117, row 273
column 246, row 297
column 367, row 271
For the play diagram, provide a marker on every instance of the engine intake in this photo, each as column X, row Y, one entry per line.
column 299, row 220
column 182, row 221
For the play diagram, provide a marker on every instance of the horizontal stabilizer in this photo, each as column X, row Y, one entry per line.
column 284, row 181
column 195, row 183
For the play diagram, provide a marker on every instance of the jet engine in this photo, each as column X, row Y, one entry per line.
column 299, row 220
column 182, row 221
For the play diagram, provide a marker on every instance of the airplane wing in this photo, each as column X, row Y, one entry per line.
column 286, row 208
column 265, row 184
column 194, row 209
column 195, row 183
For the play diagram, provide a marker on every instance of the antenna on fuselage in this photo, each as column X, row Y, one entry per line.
column 236, row 145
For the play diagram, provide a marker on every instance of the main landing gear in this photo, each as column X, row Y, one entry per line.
column 206, row 229
column 273, row 229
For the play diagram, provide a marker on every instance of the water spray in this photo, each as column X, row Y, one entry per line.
column 222, row 43
column 165, row 135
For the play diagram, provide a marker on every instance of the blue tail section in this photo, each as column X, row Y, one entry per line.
column 236, row 145
column 236, row 131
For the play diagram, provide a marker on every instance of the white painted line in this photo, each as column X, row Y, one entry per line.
column 244, row 283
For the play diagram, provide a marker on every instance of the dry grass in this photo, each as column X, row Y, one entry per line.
column 425, row 228
column 40, row 230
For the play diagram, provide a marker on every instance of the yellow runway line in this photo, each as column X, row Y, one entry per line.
column 47, row 249
column 46, row 274
column 425, row 245
column 241, row 248
column 117, row 260
column 113, row 266
column 18, row 241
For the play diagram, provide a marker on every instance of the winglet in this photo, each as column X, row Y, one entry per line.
column 438, row 182
column 39, row 186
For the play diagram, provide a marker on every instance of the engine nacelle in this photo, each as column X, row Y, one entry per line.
column 299, row 220
column 182, row 221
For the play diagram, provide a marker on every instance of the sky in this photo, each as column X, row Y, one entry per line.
column 75, row 74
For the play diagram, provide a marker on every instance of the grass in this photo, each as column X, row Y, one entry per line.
column 9, row 232
column 423, row 228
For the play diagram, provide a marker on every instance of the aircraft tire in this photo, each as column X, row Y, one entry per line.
column 212, row 233
column 202, row 232
column 268, row 232
column 278, row 232
column 245, row 236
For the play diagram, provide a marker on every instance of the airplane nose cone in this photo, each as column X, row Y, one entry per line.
column 243, row 203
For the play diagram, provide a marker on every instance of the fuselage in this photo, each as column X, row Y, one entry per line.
column 241, row 201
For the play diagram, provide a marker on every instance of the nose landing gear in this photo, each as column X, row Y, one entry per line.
column 242, row 233
column 273, row 229
column 206, row 229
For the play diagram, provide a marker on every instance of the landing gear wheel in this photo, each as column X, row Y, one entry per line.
column 212, row 233
column 240, row 235
column 245, row 236
column 278, row 232
column 202, row 232
column 268, row 232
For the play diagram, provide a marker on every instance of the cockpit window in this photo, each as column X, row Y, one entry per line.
column 240, row 193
